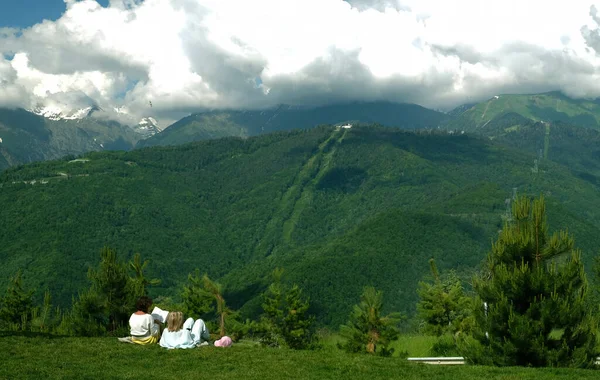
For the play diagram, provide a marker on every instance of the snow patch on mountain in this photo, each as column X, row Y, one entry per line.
column 147, row 127
column 54, row 112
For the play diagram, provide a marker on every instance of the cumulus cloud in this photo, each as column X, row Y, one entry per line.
column 187, row 55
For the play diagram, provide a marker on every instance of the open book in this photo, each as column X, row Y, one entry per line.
column 159, row 315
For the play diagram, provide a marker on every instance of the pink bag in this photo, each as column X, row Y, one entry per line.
column 223, row 342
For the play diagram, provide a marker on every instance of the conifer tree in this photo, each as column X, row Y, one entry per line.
column 367, row 330
column 531, row 306
column 139, row 283
column 89, row 315
column 443, row 306
column 197, row 301
column 216, row 291
column 42, row 316
column 17, row 304
column 286, row 321
column 111, row 283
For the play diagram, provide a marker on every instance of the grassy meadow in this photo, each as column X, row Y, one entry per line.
column 39, row 356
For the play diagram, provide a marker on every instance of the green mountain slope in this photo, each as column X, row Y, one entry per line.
column 215, row 124
column 547, row 107
column 27, row 137
column 575, row 147
column 338, row 208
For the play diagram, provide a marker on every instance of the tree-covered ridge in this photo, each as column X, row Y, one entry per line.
column 572, row 146
column 547, row 107
column 339, row 209
column 244, row 123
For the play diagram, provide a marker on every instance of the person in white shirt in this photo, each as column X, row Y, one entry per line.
column 143, row 330
column 183, row 335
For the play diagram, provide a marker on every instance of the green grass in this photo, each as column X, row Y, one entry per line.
column 35, row 357
column 414, row 345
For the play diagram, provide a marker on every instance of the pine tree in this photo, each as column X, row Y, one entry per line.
column 271, row 330
column 286, row 321
column 367, row 330
column 443, row 306
column 197, row 301
column 139, row 283
column 223, row 312
column 89, row 315
column 111, row 283
column 42, row 318
column 531, row 306
column 17, row 304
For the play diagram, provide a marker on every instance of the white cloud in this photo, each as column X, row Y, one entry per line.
column 184, row 55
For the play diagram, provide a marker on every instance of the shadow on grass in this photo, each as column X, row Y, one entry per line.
column 31, row 334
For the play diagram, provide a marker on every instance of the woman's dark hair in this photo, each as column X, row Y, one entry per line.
column 143, row 303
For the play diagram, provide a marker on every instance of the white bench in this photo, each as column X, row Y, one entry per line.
column 441, row 360
column 451, row 360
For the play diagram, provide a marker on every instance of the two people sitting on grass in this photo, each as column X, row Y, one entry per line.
column 145, row 328
column 183, row 335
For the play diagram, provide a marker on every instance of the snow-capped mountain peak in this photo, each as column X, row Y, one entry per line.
column 148, row 121
column 147, row 127
column 53, row 112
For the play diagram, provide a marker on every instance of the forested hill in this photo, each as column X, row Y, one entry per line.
column 244, row 123
column 337, row 208
column 548, row 107
column 575, row 147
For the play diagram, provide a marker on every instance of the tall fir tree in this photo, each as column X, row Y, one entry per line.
column 139, row 283
column 197, row 301
column 531, row 306
column 17, row 304
column 443, row 305
column 368, row 331
column 223, row 312
column 286, row 321
column 112, row 284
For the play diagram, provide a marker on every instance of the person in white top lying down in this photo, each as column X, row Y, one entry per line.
column 183, row 335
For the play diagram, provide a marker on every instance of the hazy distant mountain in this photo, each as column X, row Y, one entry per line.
column 27, row 137
column 548, row 107
column 239, row 123
column 461, row 109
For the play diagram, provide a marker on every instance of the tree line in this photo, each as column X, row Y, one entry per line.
column 529, row 305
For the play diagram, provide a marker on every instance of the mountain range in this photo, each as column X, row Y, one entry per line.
column 338, row 206
column 245, row 123
column 63, row 131
column 48, row 133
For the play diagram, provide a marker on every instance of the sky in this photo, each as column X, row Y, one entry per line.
column 184, row 56
column 25, row 13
